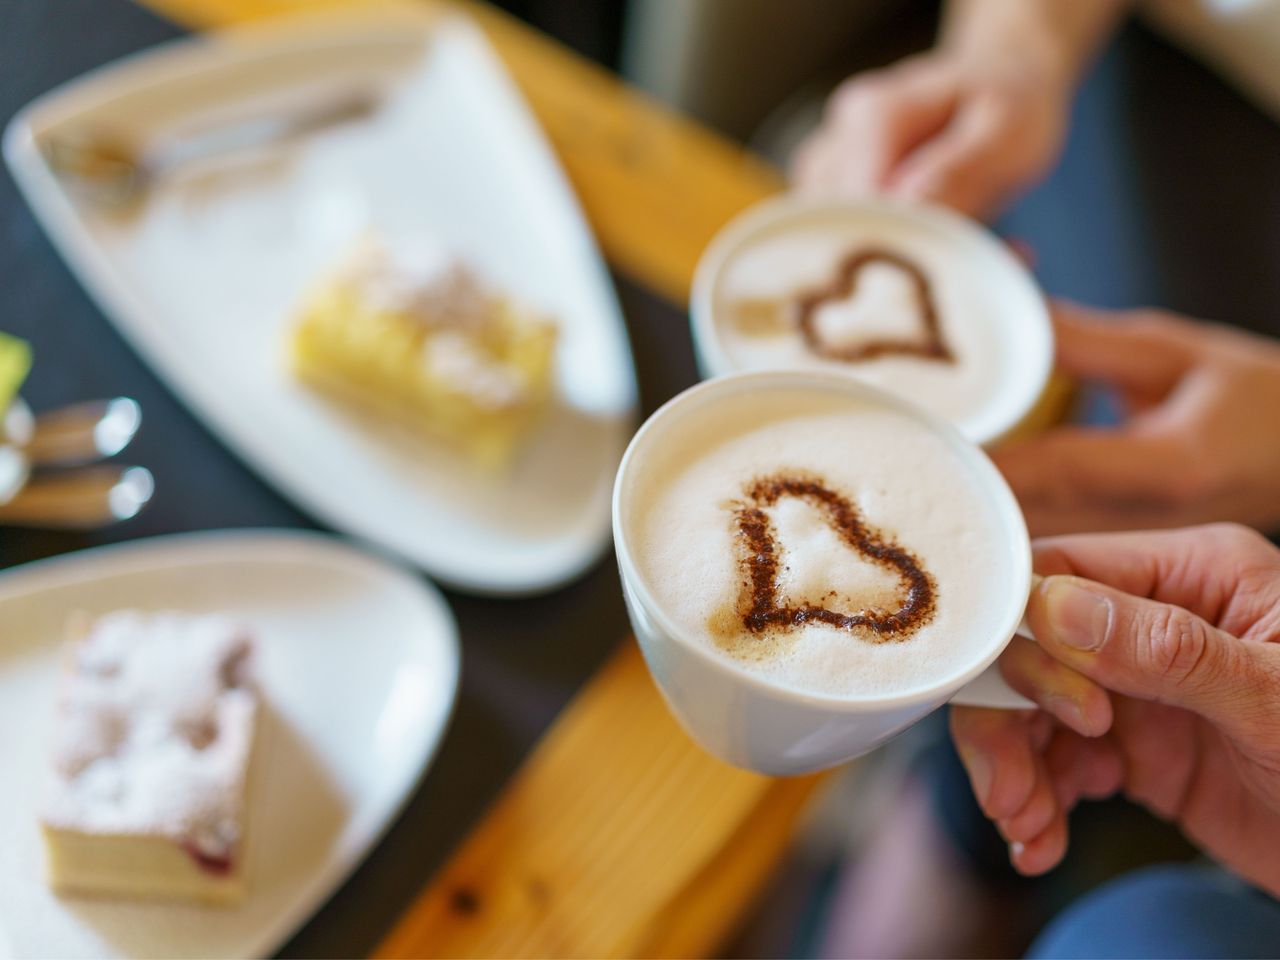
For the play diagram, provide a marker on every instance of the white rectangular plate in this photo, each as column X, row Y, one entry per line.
column 358, row 663
column 204, row 278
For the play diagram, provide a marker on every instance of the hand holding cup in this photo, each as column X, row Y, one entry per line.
column 1198, row 439
column 1157, row 669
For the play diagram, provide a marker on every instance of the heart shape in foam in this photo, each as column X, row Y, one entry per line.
column 760, row 605
column 844, row 286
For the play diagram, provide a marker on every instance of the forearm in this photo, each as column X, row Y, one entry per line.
column 1055, row 38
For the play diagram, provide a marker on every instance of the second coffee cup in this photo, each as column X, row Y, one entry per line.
column 911, row 298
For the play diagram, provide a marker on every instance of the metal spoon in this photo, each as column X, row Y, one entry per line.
column 83, row 433
column 16, row 428
column 14, row 470
column 80, row 499
column 110, row 169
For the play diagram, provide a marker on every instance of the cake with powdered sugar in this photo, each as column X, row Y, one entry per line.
column 415, row 334
column 155, row 726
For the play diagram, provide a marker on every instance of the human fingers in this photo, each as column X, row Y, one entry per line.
column 1047, row 518
column 1159, row 652
column 1043, row 853
column 871, row 122
column 808, row 163
column 963, row 166
column 1220, row 571
column 1038, row 811
column 1001, row 752
column 1088, row 768
column 996, row 749
column 1160, row 748
column 1070, row 768
column 1119, row 473
column 1143, row 351
column 1073, row 767
column 1073, row 699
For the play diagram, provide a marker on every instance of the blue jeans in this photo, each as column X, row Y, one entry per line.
column 1165, row 911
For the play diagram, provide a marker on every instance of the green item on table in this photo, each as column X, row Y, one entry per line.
column 15, row 361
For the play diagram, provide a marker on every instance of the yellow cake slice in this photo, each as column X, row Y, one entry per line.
column 154, row 732
column 417, row 336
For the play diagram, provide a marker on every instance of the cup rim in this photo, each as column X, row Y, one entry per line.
column 756, row 381
column 713, row 359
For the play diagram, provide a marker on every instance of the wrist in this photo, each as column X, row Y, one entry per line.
column 1030, row 58
column 1046, row 43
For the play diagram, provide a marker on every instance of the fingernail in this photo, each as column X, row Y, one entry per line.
column 980, row 775
column 1078, row 615
column 1015, row 849
column 1067, row 709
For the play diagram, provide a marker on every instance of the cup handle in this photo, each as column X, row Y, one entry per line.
column 989, row 689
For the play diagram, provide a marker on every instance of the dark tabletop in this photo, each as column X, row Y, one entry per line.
column 1153, row 203
column 523, row 660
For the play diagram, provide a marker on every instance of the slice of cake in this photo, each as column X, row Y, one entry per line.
column 418, row 336
column 154, row 730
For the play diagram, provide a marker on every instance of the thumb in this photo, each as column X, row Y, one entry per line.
column 1155, row 651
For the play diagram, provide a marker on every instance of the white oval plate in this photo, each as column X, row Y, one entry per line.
column 204, row 279
column 358, row 662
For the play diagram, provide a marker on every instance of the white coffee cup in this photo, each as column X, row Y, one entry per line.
column 980, row 286
column 740, row 716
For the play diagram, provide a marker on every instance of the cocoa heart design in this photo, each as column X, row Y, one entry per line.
column 760, row 606
column 843, row 285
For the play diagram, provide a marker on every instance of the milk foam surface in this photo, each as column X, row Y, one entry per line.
column 791, row 257
column 907, row 481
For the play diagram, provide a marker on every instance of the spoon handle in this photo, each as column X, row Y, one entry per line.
column 80, row 499
column 254, row 131
column 14, row 470
column 84, row 432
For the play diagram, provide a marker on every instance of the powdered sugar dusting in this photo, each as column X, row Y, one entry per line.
column 459, row 362
column 419, row 279
column 464, row 316
column 155, row 725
